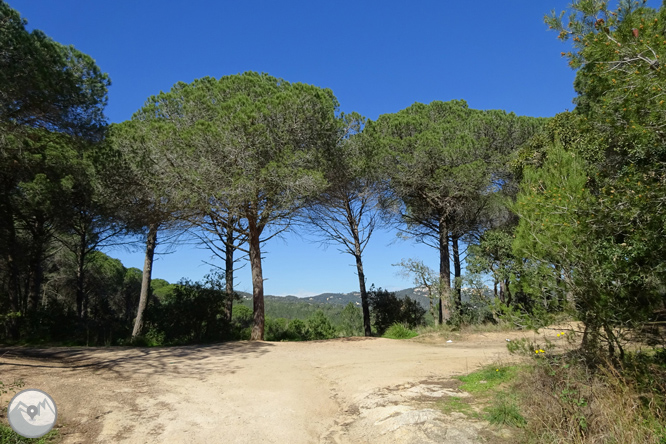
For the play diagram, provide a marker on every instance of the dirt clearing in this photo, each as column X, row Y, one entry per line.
column 353, row 390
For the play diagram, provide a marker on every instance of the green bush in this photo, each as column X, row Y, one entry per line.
column 399, row 331
column 566, row 401
column 351, row 321
column 297, row 330
column 316, row 327
column 387, row 309
column 319, row 327
column 193, row 312
column 276, row 329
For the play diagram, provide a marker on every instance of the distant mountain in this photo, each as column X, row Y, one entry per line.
column 419, row 294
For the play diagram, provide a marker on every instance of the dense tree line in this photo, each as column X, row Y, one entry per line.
column 560, row 214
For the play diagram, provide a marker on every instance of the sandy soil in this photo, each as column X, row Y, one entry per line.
column 355, row 390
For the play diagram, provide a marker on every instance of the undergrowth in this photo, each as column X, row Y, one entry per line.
column 8, row 436
column 487, row 378
column 558, row 397
column 399, row 331
column 566, row 399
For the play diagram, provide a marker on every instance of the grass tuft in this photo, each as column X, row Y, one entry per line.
column 8, row 436
column 399, row 331
column 504, row 412
column 487, row 378
column 452, row 404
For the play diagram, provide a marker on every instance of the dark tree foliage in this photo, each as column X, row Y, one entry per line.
column 387, row 309
column 51, row 115
column 44, row 84
column 445, row 162
column 591, row 201
column 194, row 312
column 245, row 148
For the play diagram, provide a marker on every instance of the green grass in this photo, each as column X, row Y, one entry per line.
column 399, row 331
column 487, row 379
column 504, row 412
column 453, row 404
column 485, row 384
column 8, row 436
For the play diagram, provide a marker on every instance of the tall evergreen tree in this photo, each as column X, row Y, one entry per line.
column 248, row 144
column 51, row 106
column 444, row 161
column 347, row 211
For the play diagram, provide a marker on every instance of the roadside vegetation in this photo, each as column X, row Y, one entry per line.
column 550, row 397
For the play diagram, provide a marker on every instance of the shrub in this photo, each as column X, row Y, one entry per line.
column 387, row 309
column 8, row 436
column 241, row 322
column 504, row 411
column 297, row 330
column 564, row 400
column 319, row 327
column 276, row 329
column 192, row 313
column 399, row 331
column 351, row 323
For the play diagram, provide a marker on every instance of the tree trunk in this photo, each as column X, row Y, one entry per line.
column 229, row 270
column 80, row 264
column 36, row 265
column 151, row 243
column 432, row 311
column 507, row 290
column 361, row 284
column 457, row 274
column 353, row 225
column 444, row 270
column 257, row 280
column 14, row 292
column 80, row 272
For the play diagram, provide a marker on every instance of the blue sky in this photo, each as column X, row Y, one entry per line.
column 377, row 57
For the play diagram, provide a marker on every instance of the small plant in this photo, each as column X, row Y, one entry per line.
column 504, row 412
column 12, row 387
column 399, row 331
column 453, row 404
column 528, row 347
column 8, row 436
column 487, row 378
column 565, row 400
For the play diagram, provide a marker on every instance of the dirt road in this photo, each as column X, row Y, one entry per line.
column 352, row 390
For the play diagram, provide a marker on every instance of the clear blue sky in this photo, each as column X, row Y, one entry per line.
column 377, row 57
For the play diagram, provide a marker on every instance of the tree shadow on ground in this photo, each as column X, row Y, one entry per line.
column 195, row 361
